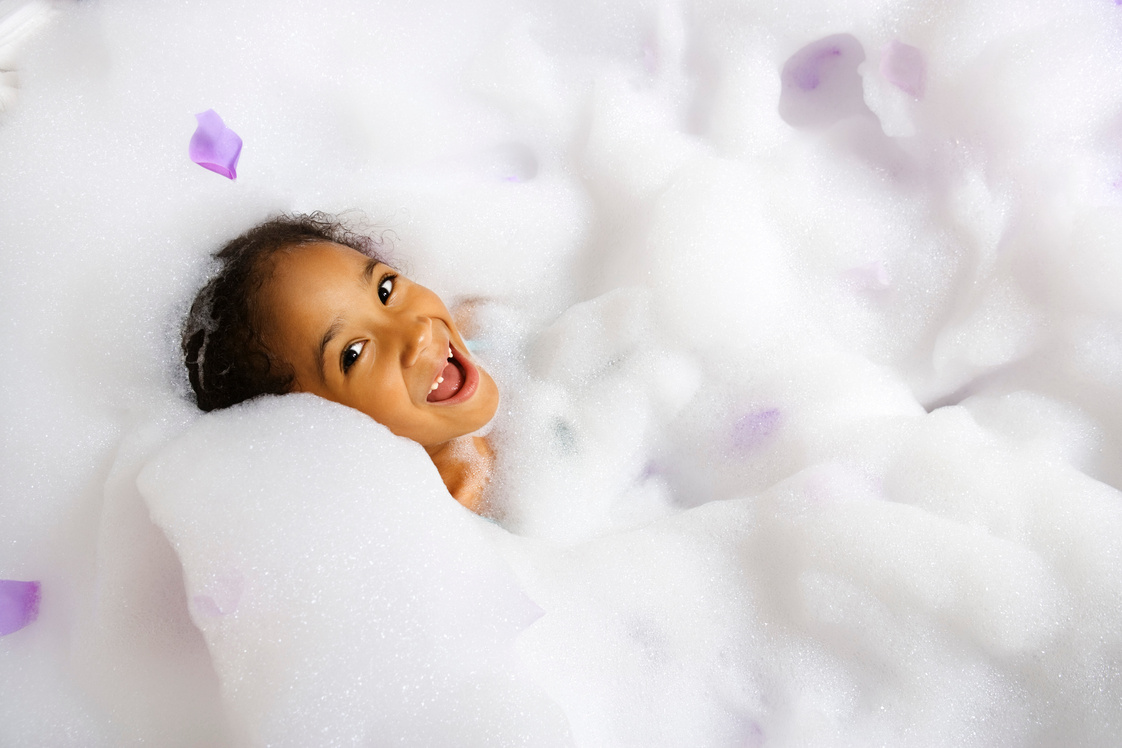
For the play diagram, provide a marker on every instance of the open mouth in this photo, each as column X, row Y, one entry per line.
column 456, row 382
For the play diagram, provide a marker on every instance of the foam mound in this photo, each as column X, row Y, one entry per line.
column 340, row 594
column 805, row 319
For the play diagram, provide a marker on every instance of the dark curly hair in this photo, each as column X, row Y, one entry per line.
column 226, row 354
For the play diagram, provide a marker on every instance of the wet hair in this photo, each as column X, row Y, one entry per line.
column 224, row 347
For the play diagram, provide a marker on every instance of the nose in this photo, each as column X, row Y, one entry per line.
column 416, row 336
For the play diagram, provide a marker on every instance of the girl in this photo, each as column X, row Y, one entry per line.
column 302, row 304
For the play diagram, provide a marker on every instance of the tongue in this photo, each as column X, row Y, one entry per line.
column 453, row 381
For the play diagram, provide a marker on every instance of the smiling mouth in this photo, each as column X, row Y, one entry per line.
column 456, row 382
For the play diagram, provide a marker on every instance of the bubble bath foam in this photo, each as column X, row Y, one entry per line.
column 807, row 328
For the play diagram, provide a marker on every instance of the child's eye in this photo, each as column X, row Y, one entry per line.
column 385, row 288
column 351, row 354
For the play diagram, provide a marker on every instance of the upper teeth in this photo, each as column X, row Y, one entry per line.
column 439, row 380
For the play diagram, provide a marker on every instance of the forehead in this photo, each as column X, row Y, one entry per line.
column 307, row 289
column 319, row 261
column 313, row 272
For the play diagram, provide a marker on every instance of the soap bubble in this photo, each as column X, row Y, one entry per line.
column 805, row 319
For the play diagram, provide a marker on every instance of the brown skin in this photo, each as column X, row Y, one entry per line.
column 465, row 467
column 358, row 333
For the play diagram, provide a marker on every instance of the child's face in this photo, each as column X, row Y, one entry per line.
column 357, row 333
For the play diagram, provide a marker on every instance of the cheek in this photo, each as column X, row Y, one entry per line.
column 486, row 403
column 388, row 407
column 493, row 392
column 388, row 402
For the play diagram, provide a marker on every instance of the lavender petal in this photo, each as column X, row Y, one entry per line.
column 751, row 429
column 215, row 146
column 19, row 605
column 821, row 83
column 904, row 67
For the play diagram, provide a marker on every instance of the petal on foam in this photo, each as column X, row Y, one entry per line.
column 215, row 146
column 19, row 605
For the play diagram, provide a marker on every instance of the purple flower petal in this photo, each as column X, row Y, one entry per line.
column 19, row 605
column 903, row 66
column 215, row 146
column 805, row 69
column 751, row 429
column 820, row 83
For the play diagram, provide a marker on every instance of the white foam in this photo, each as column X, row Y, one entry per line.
column 720, row 302
column 341, row 596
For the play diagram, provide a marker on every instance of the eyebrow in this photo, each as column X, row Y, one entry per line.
column 328, row 336
column 368, row 271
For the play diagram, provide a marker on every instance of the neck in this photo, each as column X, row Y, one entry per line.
column 464, row 465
